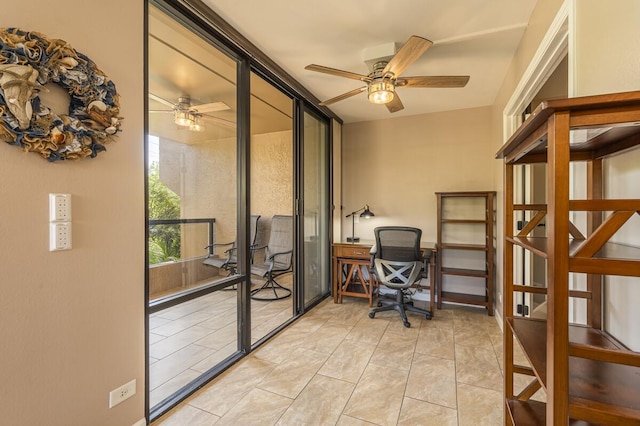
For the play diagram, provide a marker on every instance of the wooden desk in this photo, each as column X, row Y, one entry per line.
column 356, row 256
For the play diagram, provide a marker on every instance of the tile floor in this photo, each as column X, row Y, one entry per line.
column 188, row 339
column 336, row 366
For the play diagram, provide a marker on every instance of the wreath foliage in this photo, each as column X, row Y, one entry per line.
column 28, row 61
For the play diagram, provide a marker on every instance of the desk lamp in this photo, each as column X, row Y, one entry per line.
column 365, row 214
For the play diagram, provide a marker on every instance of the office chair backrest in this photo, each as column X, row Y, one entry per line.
column 398, row 243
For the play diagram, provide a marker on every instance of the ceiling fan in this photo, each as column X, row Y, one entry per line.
column 190, row 116
column 385, row 77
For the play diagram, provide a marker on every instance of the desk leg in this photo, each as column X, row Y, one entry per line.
column 432, row 284
column 335, row 279
column 438, row 282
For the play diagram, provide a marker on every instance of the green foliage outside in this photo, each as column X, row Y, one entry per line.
column 164, row 240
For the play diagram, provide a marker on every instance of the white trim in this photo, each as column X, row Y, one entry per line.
column 498, row 317
column 141, row 422
column 572, row 48
column 553, row 48
column 551, row 51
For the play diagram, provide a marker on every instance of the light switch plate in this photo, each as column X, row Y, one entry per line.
column 59, row 236
column 59, row 207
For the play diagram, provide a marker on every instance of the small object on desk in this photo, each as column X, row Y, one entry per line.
column 367, row 214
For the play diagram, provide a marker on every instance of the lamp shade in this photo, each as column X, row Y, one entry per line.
column 367, row 213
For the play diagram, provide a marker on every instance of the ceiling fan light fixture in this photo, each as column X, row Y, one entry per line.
column 196, row 125
column 381, row 92
column 183, row 118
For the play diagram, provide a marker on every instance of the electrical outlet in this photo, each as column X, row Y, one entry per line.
column 125, row 391
column 59, row 207
column 59, row 236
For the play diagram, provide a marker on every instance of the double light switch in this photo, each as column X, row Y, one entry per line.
column 59, row 222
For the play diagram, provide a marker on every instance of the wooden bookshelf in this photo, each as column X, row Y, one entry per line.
column 464, row 219
column 588, row 376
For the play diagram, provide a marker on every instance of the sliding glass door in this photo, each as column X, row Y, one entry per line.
column 315, row 212
column 271, row 182
column 238, row 206
column 192, row 208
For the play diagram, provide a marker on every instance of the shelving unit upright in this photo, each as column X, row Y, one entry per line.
column 589, row 377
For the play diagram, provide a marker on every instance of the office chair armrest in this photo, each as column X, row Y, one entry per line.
column 372, row 256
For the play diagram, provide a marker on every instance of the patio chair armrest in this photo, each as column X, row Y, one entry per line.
column 254, row 248
column 218, row 244
column 273, row 255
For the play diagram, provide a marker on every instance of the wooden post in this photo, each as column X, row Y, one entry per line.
column 558, row 270
column 594, row 219
column 507, row 286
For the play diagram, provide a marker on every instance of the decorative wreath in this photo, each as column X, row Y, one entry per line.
column 28, row 61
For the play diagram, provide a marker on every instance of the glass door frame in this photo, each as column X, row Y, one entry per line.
column 302, row 108
column 223, row 37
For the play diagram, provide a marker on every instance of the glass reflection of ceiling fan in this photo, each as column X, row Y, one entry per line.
column 190, row 116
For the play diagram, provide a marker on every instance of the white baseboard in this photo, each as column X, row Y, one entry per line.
column 498, row 316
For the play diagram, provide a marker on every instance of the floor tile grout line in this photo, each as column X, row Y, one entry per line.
column 458, row 319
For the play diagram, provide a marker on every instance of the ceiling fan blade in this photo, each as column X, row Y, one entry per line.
column 343, row 96
column 220, row 121
column 395, row 105
column 164, row 111
column 408, row 54
column 211, row 107
column 339, row 73
column 161, row 100
column 434, row 81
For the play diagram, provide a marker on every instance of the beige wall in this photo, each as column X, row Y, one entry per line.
column 72, row 322
column 606, row 60
column 396, row 165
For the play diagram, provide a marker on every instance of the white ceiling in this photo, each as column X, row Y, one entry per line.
column 471, row 37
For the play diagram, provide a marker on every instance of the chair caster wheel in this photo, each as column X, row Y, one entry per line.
column 372, row 314
column 407, row 324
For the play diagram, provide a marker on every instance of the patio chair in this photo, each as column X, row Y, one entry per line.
column 229, row 262
column 278, row 260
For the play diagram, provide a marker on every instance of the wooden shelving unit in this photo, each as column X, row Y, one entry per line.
column 472, row 213
column 588, row 377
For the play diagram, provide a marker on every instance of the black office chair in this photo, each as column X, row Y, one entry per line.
column 398, row 264
column 229, row 263
column 278, row 260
